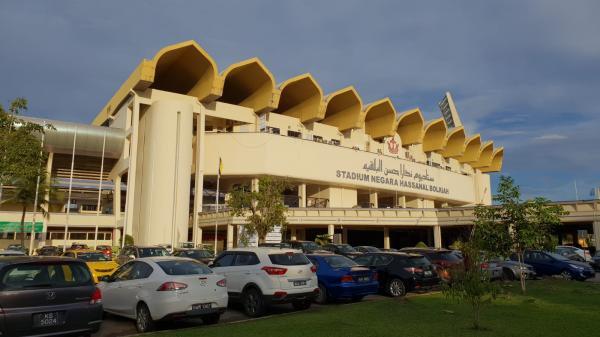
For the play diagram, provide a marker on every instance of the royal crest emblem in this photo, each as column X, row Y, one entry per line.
column 393, row 146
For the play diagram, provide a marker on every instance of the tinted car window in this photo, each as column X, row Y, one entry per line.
column 124, row 273
column 363, row 260
column 184, row 267
column 141, row 270
column 148, row 252
column 92, row 256
column 289, row 259
column 224, row 260
column 417, row 261
column 246, row 259
column 382, row 260
column 556, row 256
column 339, row 262
column 346, row 249
column 196, row 254
column 446, row 256
column 309, row 246
column 45, row 275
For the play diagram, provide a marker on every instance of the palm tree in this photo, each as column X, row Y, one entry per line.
column 24, row 194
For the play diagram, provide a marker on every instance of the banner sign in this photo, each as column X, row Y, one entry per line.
column 13, row 226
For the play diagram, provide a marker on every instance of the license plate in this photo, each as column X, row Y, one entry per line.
column 201, row 306
column 46, row 319
column 363, row 279
column 299, row 283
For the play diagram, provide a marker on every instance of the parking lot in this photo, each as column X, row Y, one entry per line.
column 114, row 326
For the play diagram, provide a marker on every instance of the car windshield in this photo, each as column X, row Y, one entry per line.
column 92, row 256
column 154, row 251
column 197, row 254
column 339, row 262
column 372, row 249
column 346, row 249
column 183, row 267
column 418, row 261
column 289, row 259
column 558, row 257
column 446, row 256
column 310, row 245
column 45, row 275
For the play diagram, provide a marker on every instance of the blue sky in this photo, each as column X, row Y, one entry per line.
column 523, row 73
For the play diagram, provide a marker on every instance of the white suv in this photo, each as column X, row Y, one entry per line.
column 262, row 276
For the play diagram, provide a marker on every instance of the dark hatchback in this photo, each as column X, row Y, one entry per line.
column 446, row 261
column 201, row 255
column 399, row 273
column 549, row 264
column 47, row 296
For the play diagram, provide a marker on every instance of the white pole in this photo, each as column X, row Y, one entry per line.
column 35, row 201
column 70, row 189
column 217, row 211
column 99, row 191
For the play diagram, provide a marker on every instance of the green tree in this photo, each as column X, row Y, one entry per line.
column 323, row 239
column 264, row 209
column 514, row 226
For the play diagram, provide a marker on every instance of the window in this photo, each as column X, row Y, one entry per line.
column 45, row 275
column 148, row 252
column 382, row 260
column 295, row 134
column 363, row 260
column 124, row 273
column 246, row 259
column 88, row 208
column 184, row 268
column 141, row 270
column 224, row 260
column 339, row 262
column 335, row 142
column 57, row 235
column 289, row 259
column 77, row 236
column 318, row 139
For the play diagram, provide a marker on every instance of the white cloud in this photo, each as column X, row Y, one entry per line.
column 550, row 137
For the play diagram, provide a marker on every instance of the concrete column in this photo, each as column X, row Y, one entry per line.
column 199, row 177
column 116, row 236
column 345, row 235
column 132, row 155
column 302, row 195
column 47, row 197
column 386, row 238
column 199, row 236
column 164, row 175
column 230, row 229
column 254, row 185
column 330, row 231
column 117, row 199
column 373, row 199
column 597, row 234
column 293, row 233
column 437, row 236
column 401, row 201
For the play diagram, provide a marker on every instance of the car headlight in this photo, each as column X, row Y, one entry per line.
column 576, row 266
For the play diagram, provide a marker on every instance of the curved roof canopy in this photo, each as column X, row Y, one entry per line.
column 485, row 157
column 343, row 109
column 183, row 68
column 380, row 118
column 301, row 97
column 434, row 135
column 410, row 126
column 455, row 143
column 472, row 150
column 249, row 83
column 496, row 164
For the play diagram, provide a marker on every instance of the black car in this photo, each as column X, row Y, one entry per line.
column 129, row 253
column 447, row 262
column 45, row 296
column 342, row 249
column 49, row 251
column 367, row 249
column 596, row 261
column 399, row 273
column 307, row 247
column 198, row 254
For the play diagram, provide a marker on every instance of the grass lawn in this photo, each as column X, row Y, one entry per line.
column 551, row 308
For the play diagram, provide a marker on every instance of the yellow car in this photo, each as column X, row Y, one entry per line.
column 98, row 263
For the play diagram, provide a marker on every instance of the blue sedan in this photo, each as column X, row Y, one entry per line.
column 550, row 264
column 341, row 278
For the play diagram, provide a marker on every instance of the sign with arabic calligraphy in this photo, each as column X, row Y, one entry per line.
column 375, row 172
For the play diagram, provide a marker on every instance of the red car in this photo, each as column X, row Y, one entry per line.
column 446, row 261
column 106, row 250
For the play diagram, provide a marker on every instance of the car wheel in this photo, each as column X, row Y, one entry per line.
column 566, row 275
column 322, row 297
column 143, row 319
column 254, row 305
column 302, row 304
column 211, row 319
column 396, row 288
column 508, row 275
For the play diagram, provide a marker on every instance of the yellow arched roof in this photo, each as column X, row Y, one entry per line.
column 496, row 164
column 485, row 156
column 472, row 150
column 183, row 68
column 343, row 109
column 455, row 143
column 249, row 83
column 301, row 97
column 434, row 135
column 380, row 119
column 410, row 126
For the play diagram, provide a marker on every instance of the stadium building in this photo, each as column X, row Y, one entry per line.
column 364, row 172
